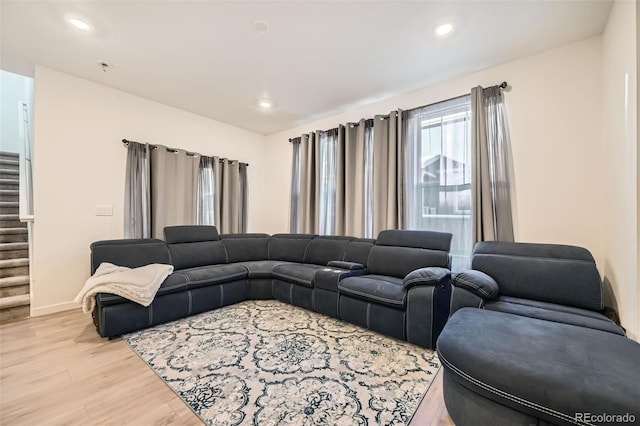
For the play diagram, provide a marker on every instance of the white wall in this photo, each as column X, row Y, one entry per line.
column 555, row 116
column 14, row 88
column 80, row 163
column 620, row 161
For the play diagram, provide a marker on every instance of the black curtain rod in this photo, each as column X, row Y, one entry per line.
column 126, row 142
column 502, row 85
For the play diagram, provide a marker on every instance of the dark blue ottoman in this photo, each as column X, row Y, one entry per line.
column 505, row 369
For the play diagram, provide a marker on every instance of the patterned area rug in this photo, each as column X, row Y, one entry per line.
column 270, row 363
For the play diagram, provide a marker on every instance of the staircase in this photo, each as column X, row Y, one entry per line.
column 14, row 245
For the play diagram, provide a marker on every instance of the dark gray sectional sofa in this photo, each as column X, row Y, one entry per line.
column 526, row 343
column 398, row 284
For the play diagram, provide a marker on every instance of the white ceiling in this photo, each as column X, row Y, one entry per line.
column 318, row 58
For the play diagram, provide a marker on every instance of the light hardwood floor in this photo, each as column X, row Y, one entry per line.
column 56, row 370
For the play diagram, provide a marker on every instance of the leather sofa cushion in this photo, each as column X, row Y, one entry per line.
column 301, row 274
column 261, row 268
column 379, row 289
column 174, row 283
column 246, row 247
column 552, row 312
column 202, row 253
column 190, row 234
column 131, row 253
column 213, row 274
column 321, row 250
column 545, row 369
column 400, row 261
column 431, row 240
column 564, row 275
column 289, row 247
column 358, row 250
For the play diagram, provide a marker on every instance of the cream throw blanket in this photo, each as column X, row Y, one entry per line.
column 139, row 285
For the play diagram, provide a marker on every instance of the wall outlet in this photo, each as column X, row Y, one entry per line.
column 104, row 210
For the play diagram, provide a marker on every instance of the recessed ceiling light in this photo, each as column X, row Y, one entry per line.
column 80, row 24
column 443, row 29
column 261, row 27
column 265, row 104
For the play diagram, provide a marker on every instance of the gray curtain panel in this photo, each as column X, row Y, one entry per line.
column 243, row 199
column 349, row 180
column 174, row 183
column 294, row 212
column 231, row 193
column 137, row 197
column 355, row 152
column 491, row 164
column 327, row 181
column 388, row 173
column 206, row 192
column 309, row 196
column 167, row 187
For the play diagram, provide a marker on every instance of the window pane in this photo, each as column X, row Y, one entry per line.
column 439, row 173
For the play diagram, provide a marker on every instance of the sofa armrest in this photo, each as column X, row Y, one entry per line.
column 426, row 276
column 351, row 266
column 478, row 283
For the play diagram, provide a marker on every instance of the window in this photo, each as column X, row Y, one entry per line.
column 438, row 177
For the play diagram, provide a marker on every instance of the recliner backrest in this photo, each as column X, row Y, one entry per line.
column 246, row 247
column 553, row 273
column 398, row 252
column 289, row 247
column 323, row 249
column 358, row 250
column 130, row 253
column 194, row 245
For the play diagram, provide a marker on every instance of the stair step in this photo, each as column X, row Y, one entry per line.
column 9, row 194
column 5, row 155
column 14, row 286
column 14, row 301
column 9, row 173
column 14, row 235
column 11, row 221
column 12, row 263
column 13, row 271
column 15, row 290
column 9, row 183
column 9, row 207
column 13, row 231
column 14, row 281
column 7, row 163
column 14, row 307
column 11, row 154
column 13, row 246
column 15, row 250
column 14, row 314
column 14, row 267
column 14, row 254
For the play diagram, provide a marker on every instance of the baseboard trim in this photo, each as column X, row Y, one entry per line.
column 52, row 309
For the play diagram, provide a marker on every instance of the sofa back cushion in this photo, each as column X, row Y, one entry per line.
column 192, row 246
column 398, row 252
column 323, row 249
column 358, row 250
column 553, row 273
column 130, row 253
column 246, row 247
column 289, row 247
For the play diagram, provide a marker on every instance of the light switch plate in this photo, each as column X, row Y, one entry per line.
column 104, row 210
